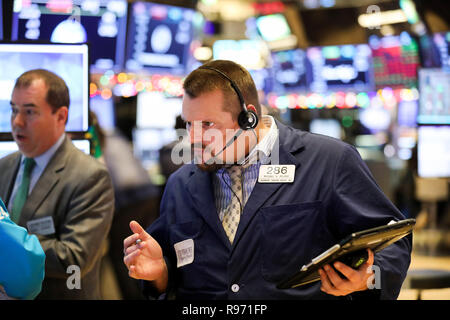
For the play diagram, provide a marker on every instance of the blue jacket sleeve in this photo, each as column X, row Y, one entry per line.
column 22, row 259
column 360, row 204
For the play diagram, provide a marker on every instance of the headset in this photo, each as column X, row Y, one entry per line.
column 247, row 120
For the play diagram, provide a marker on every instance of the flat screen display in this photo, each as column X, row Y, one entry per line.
column 395, row 61
column 434, row 151
column 407, row 112
column 8, row 147
column 147, row 142
column 1, row 20
column 273, row 27
column 442, row 42
column 101, row 23
column 154, row 110
column 434, row 99
column 289, row 70
column 347, row 67
column 70, row 62
column 327, row 127
column 159, row 37
column 104, row 110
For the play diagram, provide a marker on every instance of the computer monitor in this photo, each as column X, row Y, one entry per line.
column 395, row 61
column 1, row 19
column 273, row 27
column 251, row 54
column 345, row 67
column 433, row 149
column 83, row 144
column 8, row 147
column 328, row 127
column 442, row 42
column 289, row 71
column 158, row 38
column 407, row 112
column 434, row 100
column 101, row 23
column 154, row 110
column 104, row 110
column 68, row 61
column 147, row 142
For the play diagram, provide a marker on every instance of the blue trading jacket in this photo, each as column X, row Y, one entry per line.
column 22, row 260
column 283, row 225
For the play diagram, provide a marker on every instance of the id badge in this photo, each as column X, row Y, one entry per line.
column 42, row 226
column 279, row 173
column 185, row 252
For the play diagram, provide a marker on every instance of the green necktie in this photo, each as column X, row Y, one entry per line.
column 22, row 192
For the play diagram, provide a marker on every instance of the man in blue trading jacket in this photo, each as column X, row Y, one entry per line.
column 22, row 260
column 231, row 228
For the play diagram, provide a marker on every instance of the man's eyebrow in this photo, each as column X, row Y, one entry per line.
column 26, row 105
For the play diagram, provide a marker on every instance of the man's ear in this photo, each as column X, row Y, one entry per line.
column 251, row 107
column 63, row 114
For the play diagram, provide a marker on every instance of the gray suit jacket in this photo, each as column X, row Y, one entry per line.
column 76, row 191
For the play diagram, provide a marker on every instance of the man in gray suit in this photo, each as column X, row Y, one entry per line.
column 54, row 190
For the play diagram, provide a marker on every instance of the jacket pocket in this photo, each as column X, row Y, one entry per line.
column 190, row 275
column 291, row 235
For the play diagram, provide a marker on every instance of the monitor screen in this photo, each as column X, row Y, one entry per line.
column 395, row 61
column 154, row 110
column 328, row 127
column 433, row 151
column 1, row 20
column 442, row 42
column 289, row 71
column 273, row 27
column 70, row 62
column 147, row 142
column 346, row 67
column 8, row 147
column 407, row 111
column 251, row 54
column 100, row 23
column 434, row 100
column 104, row 110
column 159, row 37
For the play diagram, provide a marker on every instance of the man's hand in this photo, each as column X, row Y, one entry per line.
column 144, row 260
column 356, row 280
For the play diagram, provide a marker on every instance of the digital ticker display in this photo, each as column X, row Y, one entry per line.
column 346, row 67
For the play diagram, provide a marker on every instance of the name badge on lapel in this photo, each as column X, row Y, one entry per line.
column 276, row 173
column 42, row 226
column 185, row 252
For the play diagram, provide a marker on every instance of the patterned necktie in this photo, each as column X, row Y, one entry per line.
column 233, row 212
column 22, row 192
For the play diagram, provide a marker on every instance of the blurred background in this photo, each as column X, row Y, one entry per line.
column 375, row 74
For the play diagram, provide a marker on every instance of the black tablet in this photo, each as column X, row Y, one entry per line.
column 351, row 251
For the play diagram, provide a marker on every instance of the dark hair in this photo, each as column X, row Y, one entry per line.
column 202, row 81
column 57, row 90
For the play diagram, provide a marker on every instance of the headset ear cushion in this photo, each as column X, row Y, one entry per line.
column 247, row 120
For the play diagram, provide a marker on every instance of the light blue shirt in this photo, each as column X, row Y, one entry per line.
column 41, row 164
column 22, row 259
column 257, row 156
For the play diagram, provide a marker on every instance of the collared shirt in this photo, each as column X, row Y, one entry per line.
column 41, row 164
column 260, row 154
